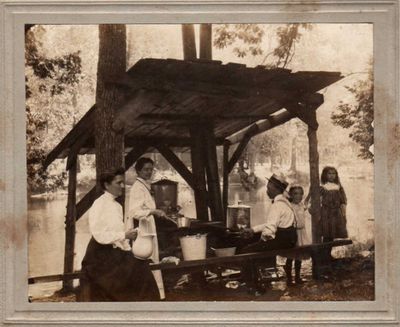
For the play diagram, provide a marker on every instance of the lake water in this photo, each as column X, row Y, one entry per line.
column 47, row 236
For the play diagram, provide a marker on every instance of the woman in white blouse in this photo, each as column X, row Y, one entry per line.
column 142, row 208
column 110, row 270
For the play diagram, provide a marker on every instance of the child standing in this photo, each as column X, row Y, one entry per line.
column 296, row 194
column 333, row 206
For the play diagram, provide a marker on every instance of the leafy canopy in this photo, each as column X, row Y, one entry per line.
column 359, row 117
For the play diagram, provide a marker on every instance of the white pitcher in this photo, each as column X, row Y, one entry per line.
column 142, row 247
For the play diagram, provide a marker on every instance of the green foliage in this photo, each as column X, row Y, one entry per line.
column 247, row 37
column 50, row 91
column 358, row 118
column 287, row 36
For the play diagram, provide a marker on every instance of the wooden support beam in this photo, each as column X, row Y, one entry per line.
column 225, row 187
column 135, row 140
column 303, row 114
column 260, row 127
column 78, row 131
column 70, row 220
column 76, row 147
column 86, row 202
column 214, row 188
column 206, row 41
column 175, row 162
column 314, row 183
column 188, row 41
column 304, row 109
column 241, row 147
column 198, row 170
column 198, row 118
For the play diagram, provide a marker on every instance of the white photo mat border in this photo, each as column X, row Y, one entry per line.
column 13, row 206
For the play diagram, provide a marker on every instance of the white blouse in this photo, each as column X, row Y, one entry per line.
column 280, row 214
column 106, row 222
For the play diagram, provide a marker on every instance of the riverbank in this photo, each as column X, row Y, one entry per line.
column 352, row 279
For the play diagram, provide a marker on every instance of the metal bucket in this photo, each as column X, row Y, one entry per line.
column 194, row 246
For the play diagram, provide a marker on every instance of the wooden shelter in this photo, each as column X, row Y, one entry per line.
column 175, row 105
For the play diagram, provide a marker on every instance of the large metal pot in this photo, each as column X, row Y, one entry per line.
column 183, row 222
column 180, row 221
column 165, row 194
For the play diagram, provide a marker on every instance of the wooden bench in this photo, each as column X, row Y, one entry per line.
column 313, row 250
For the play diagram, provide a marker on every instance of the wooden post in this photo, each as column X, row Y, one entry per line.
column 214, row 188
column 320, row 258
column 70, row 220
column 225, row 186
column 205, row 41
column 188, row 41
column 198, row 166
column 314, row 184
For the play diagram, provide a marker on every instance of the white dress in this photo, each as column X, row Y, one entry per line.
column 303, row 219
column 139, row 206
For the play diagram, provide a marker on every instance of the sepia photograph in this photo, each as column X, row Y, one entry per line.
column 200, row 162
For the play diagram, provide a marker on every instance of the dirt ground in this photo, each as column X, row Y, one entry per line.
column 351, row 279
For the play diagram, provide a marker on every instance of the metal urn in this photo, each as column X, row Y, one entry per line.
column 165, row 194
column 238, row 216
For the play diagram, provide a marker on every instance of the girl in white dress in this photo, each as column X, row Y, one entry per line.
column 303, row 219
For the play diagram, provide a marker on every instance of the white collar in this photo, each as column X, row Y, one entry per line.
column 143, row 181
column 281, row 197
column 108, row 195
column 331, row 186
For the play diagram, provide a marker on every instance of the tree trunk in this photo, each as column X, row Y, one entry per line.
column 112, row 64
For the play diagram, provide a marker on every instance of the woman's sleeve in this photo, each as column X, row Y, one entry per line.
column 137, row 204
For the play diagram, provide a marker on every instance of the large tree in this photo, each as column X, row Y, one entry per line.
column 50, row 83
column 109, row 143
column 359, row 117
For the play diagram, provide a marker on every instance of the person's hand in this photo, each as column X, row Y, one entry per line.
column 246, row 233
column 158, row 213
column 131, row 234
column 266, row 237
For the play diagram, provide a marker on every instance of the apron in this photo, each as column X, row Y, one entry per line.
column 149, row 227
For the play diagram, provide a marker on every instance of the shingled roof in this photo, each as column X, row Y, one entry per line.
column 165, row 96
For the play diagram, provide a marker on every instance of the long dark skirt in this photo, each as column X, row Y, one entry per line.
column 112, row 274
column 333, row 223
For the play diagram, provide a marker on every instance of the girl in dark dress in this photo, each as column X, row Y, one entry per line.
column 333, row 206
